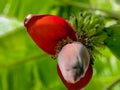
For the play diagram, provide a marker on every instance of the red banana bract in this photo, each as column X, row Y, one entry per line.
column 47, row 31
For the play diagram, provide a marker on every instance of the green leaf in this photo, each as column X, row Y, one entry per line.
column 113, row 40
column 8, row 25
column 3, row 5
column 23, row 66
column 117, row 1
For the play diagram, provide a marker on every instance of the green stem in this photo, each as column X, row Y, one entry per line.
column 112, row 14
column 110, row 87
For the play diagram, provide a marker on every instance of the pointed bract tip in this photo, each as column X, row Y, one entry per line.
column 27, row 19
column 72, row 81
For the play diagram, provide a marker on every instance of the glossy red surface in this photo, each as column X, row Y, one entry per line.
column 48, row 30
column 81, row 83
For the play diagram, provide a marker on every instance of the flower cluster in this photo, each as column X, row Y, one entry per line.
column 56, row 36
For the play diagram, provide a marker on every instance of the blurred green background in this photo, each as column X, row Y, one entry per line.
column 23, row 66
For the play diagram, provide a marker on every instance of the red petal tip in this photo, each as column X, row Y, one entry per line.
column 81, row 83
column 27, row 19
column 31, row 18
